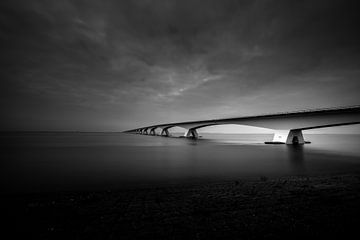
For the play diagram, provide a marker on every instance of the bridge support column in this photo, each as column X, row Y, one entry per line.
column 165, row 132
column 145, row 132
column 152, row 131
column 191, row 133
column 294, row 136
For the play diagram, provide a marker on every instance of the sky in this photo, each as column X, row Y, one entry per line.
column 89, row 65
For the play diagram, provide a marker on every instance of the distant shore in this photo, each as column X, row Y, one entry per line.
column 286, row 207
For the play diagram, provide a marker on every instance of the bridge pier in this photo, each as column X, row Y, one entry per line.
column 165, row 132
column 293, row 136
column 152, row 131
column 191, row 133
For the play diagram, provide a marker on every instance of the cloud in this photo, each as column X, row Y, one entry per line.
column 164, row 60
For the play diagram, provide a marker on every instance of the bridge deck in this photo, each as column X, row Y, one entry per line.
column 302, row 113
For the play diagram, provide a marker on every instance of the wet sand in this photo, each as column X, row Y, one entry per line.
column 263, row 208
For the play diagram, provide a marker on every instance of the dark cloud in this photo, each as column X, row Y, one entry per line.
column 113, row 65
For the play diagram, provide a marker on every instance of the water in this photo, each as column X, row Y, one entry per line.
column 103, row 161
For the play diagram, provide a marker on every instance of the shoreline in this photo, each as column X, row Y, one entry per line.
column 266, row 207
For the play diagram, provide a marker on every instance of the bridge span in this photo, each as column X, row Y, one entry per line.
column 288, row 126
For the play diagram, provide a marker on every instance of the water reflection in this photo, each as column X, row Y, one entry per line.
column 191, row 141
column 42, row 162
column 296, row 158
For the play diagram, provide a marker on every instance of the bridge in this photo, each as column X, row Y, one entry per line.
column 288, row 126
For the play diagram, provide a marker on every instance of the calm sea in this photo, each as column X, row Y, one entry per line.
column 35, row 162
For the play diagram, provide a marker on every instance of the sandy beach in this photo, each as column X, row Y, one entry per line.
column 262, row 208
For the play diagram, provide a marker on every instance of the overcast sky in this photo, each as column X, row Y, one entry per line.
column 114, row 65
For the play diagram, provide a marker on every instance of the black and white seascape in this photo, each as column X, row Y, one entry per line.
column 179, row 119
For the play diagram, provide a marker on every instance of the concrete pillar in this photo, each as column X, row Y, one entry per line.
column 288, row 137
column 295, row 137
column 191, row 133
column 152, row 131
column 165, row 132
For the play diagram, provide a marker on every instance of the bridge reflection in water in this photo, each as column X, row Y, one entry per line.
column 297, row 158
column 288, row 126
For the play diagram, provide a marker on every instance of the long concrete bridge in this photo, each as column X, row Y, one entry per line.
column 288, row 126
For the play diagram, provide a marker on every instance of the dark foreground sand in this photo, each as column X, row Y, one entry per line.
column 288, row 207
